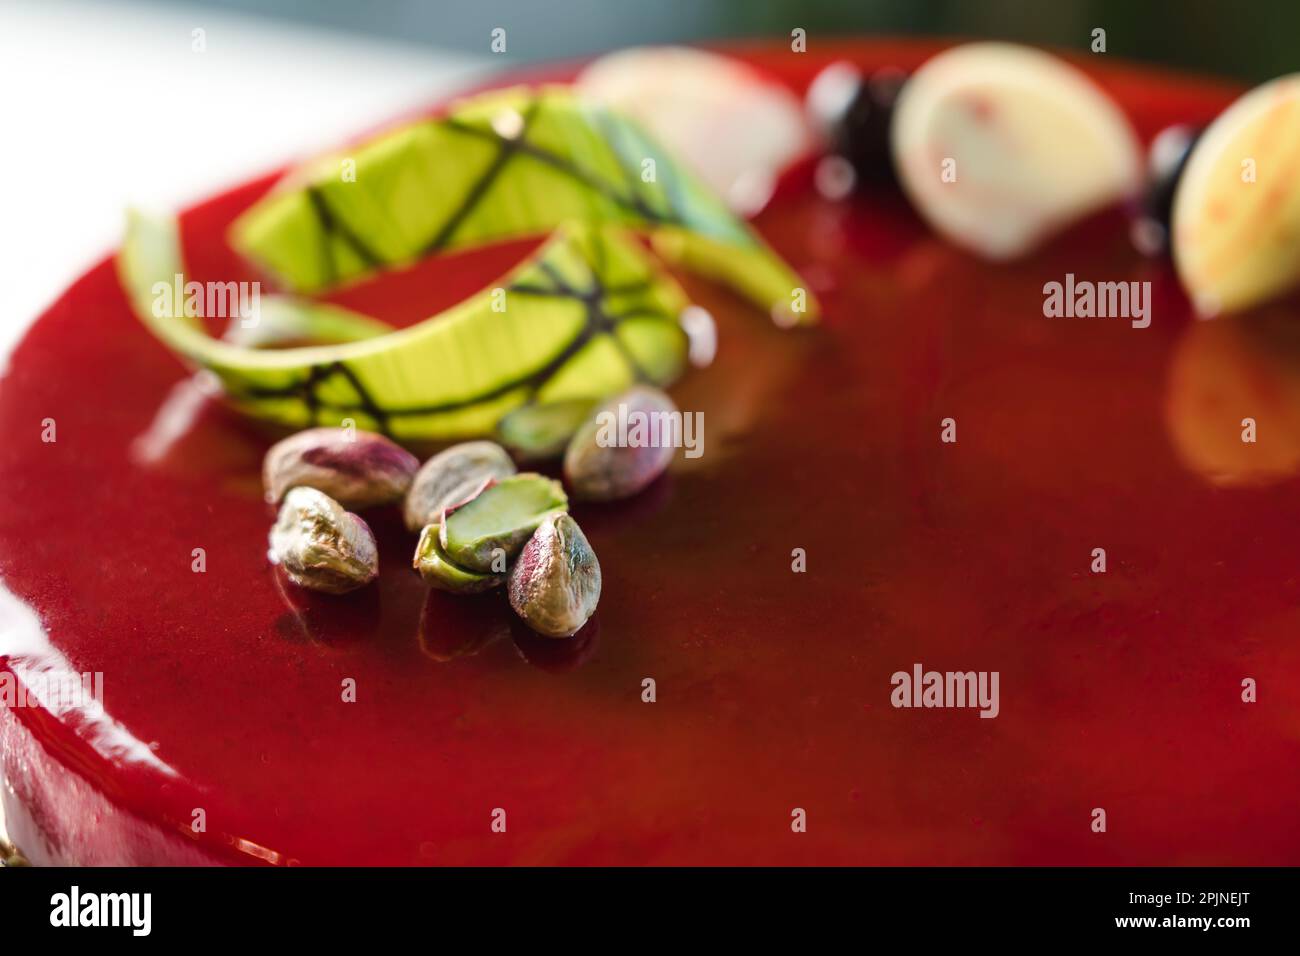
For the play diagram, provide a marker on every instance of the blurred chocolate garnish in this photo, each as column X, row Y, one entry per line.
column 852, row 113
column 1166, row 160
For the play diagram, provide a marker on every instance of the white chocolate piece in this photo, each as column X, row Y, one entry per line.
column 730, row 126
column 999, row 146
column 1236, row 214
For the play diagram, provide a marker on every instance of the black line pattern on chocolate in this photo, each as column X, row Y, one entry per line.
column 332, row 226
column 510, row 146
column 506, row 148
column 599, row 321
column 618, row 137
column 323, row 373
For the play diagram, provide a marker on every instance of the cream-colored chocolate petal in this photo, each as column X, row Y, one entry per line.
column 1236, row 216
column 999, row 146
column 731, row 126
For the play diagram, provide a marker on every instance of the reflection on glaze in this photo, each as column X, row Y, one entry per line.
column 557, row 655
column 460, row 626
column 1226, row 375
column 453, row 626
column 32, row 659
column 337, row 620
column 176, row 416
column 260, row 852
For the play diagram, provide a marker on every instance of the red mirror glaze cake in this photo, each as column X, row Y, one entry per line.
column 244, row 720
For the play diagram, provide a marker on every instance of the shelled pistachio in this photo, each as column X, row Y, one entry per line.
column 499, row 521
column 452, row 477
column 598, row 467
column 358, row 469
column 441, row 572
column 321, row 546
column 555, row 582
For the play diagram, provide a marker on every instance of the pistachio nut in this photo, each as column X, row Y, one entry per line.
column 321, row 546
column 539, row 432
column 452, row 477
column 10, row 855
column 495, row 524
column 358, row 469
column 441, row 572
column 599, row 467
column 555, row 583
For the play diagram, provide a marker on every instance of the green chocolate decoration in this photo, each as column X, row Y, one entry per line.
column 503, row 165
column 589, row 313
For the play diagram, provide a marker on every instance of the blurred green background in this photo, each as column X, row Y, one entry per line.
column 1249, row 39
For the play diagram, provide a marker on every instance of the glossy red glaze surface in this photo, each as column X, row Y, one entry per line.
column 1119, row 691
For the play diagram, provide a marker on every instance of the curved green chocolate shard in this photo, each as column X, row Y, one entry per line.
column 502, row 165
column 284, row 320
column 583, row 317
